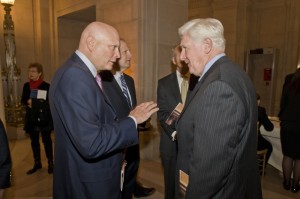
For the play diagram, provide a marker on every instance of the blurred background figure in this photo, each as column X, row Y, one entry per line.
column 5, row 161
column 38, row 117
column 171, row 90
column 263, row 120
column 290, row 131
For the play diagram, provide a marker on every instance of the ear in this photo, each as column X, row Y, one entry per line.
column 173, row 60
column 90, row 42
column 207, row 45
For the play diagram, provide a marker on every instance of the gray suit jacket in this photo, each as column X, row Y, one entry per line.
column 217, row 136
column 89, row 137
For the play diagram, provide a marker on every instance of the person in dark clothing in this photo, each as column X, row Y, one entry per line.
column 289, row 131
column 120, row 89
column 5, row 161
column 263, row 120
column 34, row 97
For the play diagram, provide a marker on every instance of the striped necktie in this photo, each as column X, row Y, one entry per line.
column 125, row 90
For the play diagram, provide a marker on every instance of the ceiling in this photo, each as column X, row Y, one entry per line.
column 85, row 15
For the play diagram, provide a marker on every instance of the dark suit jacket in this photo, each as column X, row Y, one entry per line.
column 116, row 97
column 28, row 125
column 5, row 159
column 168, row 96
column 217, row 136
column 290, row 105
column 283, row 100
column 89, row 137
column 115, row 94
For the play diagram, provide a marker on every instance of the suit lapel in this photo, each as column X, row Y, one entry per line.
column 106, row 99
column 131, row 88
column 82, row 65
column 120, row 92
column 208, row 77
column 117, row 87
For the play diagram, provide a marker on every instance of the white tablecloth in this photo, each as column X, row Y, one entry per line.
column 274, row 137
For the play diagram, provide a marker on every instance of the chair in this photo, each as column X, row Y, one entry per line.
column 261, row 156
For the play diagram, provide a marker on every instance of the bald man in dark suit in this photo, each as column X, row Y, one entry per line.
column 89, row 136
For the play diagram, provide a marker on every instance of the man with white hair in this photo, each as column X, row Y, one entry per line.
column 216, row 131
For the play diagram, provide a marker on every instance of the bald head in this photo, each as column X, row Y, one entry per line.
column 99, row 42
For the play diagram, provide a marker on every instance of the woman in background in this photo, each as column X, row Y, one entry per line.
column 263, row 120
column 290, row 131
column 32, row 125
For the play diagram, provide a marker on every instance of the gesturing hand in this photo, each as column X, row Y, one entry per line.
column 143, row 111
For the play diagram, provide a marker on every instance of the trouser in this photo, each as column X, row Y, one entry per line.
column 169, row 165
column 133, row 160
column 35, row 145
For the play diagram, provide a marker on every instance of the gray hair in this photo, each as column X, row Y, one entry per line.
column 200, row 29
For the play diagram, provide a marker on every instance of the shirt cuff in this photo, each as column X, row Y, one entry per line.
column 174, row 135
column 133, row 120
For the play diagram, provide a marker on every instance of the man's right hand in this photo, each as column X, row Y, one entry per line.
column 143, row 111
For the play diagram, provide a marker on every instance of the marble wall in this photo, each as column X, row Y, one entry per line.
column 32, row 32
column 48, row 31
column 251, row 24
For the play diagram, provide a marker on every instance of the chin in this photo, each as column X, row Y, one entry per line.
column 108, row 67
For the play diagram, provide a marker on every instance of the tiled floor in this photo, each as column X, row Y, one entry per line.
column 39, row 185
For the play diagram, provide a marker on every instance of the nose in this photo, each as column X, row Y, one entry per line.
column 129, row 55
column 117, row 53
column 182, row 55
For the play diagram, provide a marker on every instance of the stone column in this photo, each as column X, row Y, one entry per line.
column 159, row 21
column 2, row 112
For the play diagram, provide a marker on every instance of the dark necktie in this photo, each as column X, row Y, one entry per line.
column 125, row 90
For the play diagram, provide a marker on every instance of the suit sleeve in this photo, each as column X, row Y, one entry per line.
column 217, row 133
column 264, row 120
column 25, row 94
column 88, row 120
column 164, row 109
column 5, row 159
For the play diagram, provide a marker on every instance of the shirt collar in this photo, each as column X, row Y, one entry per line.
column 87, row 62
column 178, row 74
column 210, row 63
column 118, row 74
